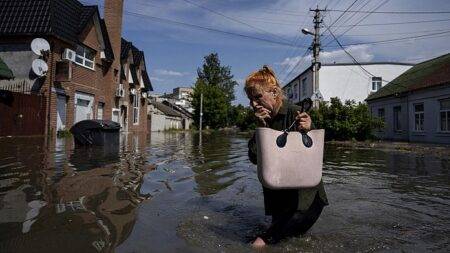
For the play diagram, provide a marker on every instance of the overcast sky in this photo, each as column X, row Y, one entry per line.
column 174, row 52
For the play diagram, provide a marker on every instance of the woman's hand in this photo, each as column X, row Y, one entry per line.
column 262, row 114
column 304, row 121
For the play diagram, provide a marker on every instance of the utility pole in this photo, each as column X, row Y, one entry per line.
column 315, row 47
column 201, row 111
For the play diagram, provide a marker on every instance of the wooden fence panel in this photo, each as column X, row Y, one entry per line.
column 21, row 114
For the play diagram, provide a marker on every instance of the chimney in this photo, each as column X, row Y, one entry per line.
column 113, row 18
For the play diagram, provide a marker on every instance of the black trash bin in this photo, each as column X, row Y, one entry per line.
column 96, row 133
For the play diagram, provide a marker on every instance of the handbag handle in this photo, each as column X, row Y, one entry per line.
column 306, row 105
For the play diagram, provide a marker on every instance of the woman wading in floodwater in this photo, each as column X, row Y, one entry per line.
column 293, row 211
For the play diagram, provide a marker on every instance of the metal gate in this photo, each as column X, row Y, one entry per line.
column 21, row 114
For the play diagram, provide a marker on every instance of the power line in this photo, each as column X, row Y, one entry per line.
column 340, row 16
column 174, row 22
column 369, row 73
column 396, row 33
column 360, row 6
column 399, row 39
column 395, row 12
column 361, row 19
column 235, row 20
column 301, row 60
column 398, row 23
column 294, row 50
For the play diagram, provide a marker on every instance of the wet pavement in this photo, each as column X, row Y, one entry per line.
column 177, row 192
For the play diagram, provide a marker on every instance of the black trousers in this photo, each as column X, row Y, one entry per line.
column 293, row 223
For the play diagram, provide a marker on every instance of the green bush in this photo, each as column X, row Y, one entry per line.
column 348, row 121
column 242, row 117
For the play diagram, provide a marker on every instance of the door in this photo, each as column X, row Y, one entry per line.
column 124, row 118
column 61, row 104
column 83, row 106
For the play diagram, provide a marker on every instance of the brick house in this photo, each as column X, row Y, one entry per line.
column 84, row 61
column 134, row 84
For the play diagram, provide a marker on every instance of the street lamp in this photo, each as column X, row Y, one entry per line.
column 307, row 32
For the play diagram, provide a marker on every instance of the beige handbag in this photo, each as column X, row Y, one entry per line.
column 288, row 160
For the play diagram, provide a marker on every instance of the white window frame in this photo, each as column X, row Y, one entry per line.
column 130, row 76
column 136, row 109
column 446, row 112
column 377, row 81
column 100, row 108
column 83, row 57
column 419, row 118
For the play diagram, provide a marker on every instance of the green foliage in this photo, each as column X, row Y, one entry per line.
column 217, row 85
column 348, row 121
column 63, row 133
column 243, row 117
column 214, row 74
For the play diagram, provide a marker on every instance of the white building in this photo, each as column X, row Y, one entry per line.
column 347, row 81
column 181, row 96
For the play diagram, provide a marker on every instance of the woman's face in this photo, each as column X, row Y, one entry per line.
column 263, row 98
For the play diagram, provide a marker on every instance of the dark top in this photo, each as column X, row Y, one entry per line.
column 282, row 201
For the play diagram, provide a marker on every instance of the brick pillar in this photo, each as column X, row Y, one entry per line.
column 113, row 13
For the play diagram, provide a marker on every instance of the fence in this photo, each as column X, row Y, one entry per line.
column 23, row 86
column 21, row 114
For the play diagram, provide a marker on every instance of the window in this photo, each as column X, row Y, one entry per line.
column 130, row 77
column 100, row 108
column 444, row 115
column 418, row 117
column 304, row 87
column 85, row 57
column 141, row 81
column 296, row 91
column 289, row 92
column 397, row 119
column 376, row 83
column 136, row 109
column 381, row 116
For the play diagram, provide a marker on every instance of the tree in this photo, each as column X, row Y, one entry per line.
column 214, row 74
column 216, row 84
column 345, row 121
column 243, row 117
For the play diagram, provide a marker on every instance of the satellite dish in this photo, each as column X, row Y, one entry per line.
column 39, row 45
column 39, row 67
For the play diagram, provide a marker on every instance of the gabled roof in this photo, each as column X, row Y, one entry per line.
column 147, row 83
column 63, row 19
column 125, row 47
column 134, row 74
column 426, row 74
column 178, row 108
column 138, row 56
column 166, row 109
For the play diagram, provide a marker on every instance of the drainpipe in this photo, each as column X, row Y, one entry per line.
column 50, row 81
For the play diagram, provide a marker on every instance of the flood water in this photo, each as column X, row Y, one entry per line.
column 172, row 192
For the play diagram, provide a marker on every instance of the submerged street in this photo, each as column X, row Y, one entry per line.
column 177, row 192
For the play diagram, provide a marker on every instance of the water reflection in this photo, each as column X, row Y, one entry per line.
column 87, row 196
column 205, row 197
